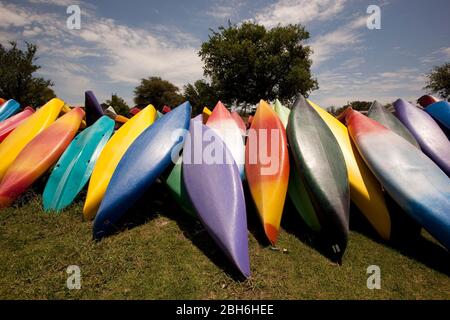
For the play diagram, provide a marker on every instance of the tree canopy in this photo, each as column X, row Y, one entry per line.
column 247, row 62
column 438, row 81
column 16, row 76
column 200, row 94
column 158, row 92
column 119, row 105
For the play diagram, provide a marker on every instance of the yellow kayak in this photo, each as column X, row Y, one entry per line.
column 26, row 131
column 206, row 113
column 111, row 156
column 365, row 190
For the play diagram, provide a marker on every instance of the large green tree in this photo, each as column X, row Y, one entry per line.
column 248, row 62
column 200, row 94
column 119, row 105
column 438, row 81
column 158, row 92
column 16, row 76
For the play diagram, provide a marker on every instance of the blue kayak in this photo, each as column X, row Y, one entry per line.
column 440, row 111
column 147, row 157
column 8, row 109
column 75, row 166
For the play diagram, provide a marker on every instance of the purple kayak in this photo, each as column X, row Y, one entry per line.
column 216, row 192
column 93, row 109
column 432, row 140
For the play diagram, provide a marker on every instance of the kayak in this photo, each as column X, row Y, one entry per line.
column 110, row 157
column 226, row 128
column 8, row 109
column 267, row 168
column 365, row 190
column 222, row 212
column 38, row 156
column 75, row 166
column 240, row 123
column 206, row 113
column 26, row 131
column 166, row 109
column 380, row 114
column 426, row 100
column 321, row 165
column 441, row 112
column 144, row 161
column 8, row 125
column 431, row 138
column 93, row 109
column 282, row 112
column 134, row 111
column 412, row 179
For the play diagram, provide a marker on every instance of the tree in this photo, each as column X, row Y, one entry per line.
column 158, row 92
column 16, row 76
column 248, row 62
column 200, row 94
column 119, row 105
column 439, row 81
column 356, row 105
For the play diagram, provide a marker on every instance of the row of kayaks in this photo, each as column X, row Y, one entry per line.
column 317, row 160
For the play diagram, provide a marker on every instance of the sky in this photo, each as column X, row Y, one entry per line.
column 121, row 42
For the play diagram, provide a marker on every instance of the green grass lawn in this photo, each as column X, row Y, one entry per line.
column 165, row 254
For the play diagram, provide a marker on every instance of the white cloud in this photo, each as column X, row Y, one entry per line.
column 224, row 10
column 11, row 16
column 298, row 11
column 60, row 3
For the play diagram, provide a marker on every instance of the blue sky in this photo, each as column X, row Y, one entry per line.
column 121, row 42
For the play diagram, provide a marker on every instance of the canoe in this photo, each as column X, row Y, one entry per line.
column 75, row 166
column 380, row 114
column 222, row 212
column 93, row 109
column 206, row 113
column 8, row 109
column 110, row 157
column 144, row 161
column 240, row 123
column 413, row 180
column 26, row 131
column 322, row 167
column 429, row 135
column 38, row 156
column 296, row 188
column 226, row 128
column 440, row 111
column 121, row 119
column 166, row 109
column 282, row 112
column 8, row 125
column 426, row 100
column 134, row 111
column 267, row 168
column 365, row 191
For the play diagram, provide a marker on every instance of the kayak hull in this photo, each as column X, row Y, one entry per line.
column 8, row 125
column 441, row 112
column 8, row 109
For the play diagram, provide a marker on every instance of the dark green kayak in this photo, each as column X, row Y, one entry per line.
column 380, row 114
column 322, row 168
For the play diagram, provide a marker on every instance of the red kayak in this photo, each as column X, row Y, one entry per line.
column 426, row 100
column 8, row 125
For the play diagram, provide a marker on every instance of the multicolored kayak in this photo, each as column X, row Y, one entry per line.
column 26, row 131
column 441, row 112
column 8, row 109
column 222, row 211
column 226, row 128
column 267, row 168
column 8, row 125
column 365, row 190
column 427, row 132
column 282, row 112
column 426, row 100
column 206, row 113
column 410, row 177
column 110, row 157
column 240, row 123
column 38, row 156
column 93, row 109
column 322, row 167
column 75, row 166
column 144, row 161
column 379, row 113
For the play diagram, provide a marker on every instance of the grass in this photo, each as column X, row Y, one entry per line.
column 165, row 254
